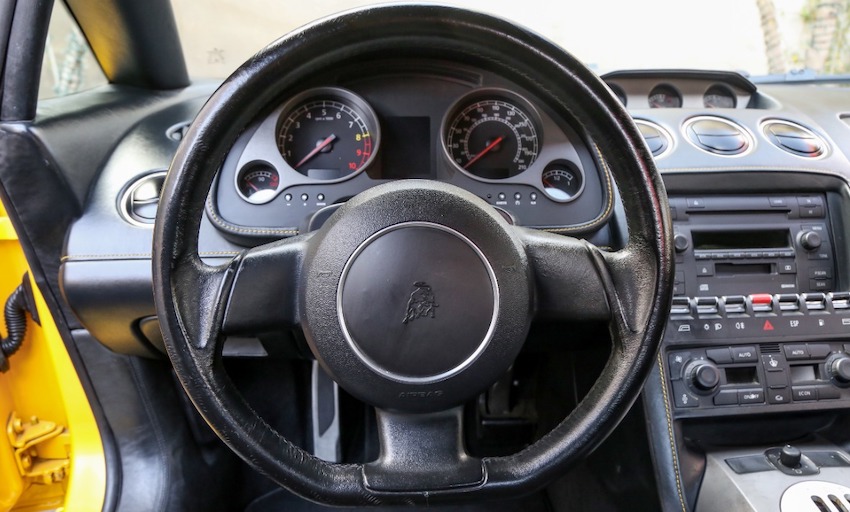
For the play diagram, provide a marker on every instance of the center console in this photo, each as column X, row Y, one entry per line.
column 757, row 321
column 756, row 346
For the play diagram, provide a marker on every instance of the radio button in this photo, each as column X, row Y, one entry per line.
column 705, row 269
column 776, row 380
column 811, row 212
column 820, row 284
column 820, row 273
column 696, row 202
column 726, row 398
column 719, row 355
column 809, row 201
column 796, row 352
column 744, row 354
column 779, row 396
column 751, row 396
column 778, row 202
column 804, row 393
column 821, row 255
column 787, row 268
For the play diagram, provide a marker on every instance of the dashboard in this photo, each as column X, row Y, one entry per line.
column 757, row 176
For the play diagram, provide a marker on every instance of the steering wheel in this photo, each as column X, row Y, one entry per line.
column 414, row 296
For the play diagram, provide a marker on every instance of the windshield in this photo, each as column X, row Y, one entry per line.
column 756, row 37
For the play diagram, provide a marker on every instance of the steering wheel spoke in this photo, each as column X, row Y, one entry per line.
column 422, row 452
column 263, row 295
column 569, row 276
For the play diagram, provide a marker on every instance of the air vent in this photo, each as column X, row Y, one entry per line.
column 140, row 199
column 815, row 496
column 178, row 131
column 770, row 348
column 793, row 138
column 717, row 136
column 656, row 137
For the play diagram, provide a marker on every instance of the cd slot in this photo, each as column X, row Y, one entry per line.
column 743, row 269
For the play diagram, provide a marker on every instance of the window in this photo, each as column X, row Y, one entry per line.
column 69, row 65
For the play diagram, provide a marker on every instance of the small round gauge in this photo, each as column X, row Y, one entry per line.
column 664, row 96
column 258, row 182
column 491, row 135
column 719, row 96
column 562, row 181
column 328, row 134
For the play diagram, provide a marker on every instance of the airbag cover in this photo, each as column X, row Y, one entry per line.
column 418, row 302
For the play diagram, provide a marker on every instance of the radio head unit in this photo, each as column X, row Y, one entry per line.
column 741, row 245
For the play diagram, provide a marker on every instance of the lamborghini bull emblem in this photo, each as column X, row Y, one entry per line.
column 422, row 302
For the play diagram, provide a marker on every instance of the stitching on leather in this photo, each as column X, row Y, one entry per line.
column 236, row 229
column 133, row 256
column 608, row 206
column 668, row 417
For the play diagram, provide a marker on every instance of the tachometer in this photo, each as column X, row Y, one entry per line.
column 491, row 134
column 328, row 133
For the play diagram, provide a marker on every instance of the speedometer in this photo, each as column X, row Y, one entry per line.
column 492, row 135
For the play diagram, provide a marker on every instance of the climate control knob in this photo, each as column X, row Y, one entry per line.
column 810, row 240
column 838, row 367
column 703, row 375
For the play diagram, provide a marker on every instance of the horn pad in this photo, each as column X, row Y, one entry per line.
column 418, row 302
column 416, row 296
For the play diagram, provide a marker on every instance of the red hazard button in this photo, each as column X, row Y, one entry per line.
column 767, row 326
column 762, row 302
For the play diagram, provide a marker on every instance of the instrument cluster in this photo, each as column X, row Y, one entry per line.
column 327, row 143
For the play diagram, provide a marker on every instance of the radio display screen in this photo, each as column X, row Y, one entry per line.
column 733, row 240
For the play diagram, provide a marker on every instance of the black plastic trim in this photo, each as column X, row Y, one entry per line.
column 726, row 77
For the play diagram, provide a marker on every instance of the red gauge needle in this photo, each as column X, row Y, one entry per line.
column 253, row 186
column 482, row 153
column 322, row 145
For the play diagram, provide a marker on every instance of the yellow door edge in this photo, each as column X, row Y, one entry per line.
column 42, row 384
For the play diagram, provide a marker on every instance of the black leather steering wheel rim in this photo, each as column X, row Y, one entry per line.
column 636, row 281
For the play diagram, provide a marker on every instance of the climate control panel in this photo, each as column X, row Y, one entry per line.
column 767, row 375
